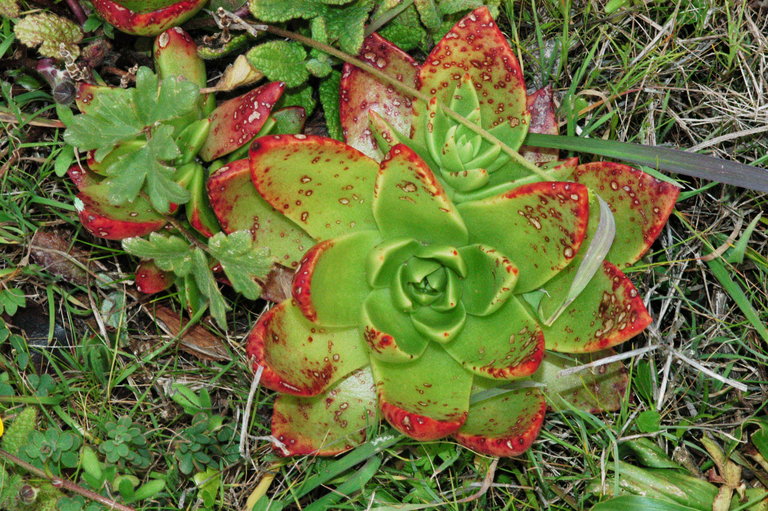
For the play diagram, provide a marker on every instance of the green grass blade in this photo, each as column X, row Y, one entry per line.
column 635, row 503
column 663, row 158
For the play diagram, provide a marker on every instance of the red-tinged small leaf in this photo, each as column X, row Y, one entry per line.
column 538, row 226
column 117, row 222
column 593, row 390
column 608, row 312
column 329, row 423
column 362, row 92
column 504, row 425
column 147, row 23
column 543, row 120
column 427, row 398
column 300, row 357
column 321, row 184
column 641, row 205
column 476, row 46
column 238, row 206
column 235, row 122
column 150, row 279
column 330, row 284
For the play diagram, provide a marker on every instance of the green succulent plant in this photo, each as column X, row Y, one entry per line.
column 442, row 268
column 126, row 441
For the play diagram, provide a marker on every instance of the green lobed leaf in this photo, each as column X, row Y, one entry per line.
column 329, row 99
column 208, row 287
column 111, row 118
column 280, row 61
column 241, row 260
column 284, row 10
column 170, row 253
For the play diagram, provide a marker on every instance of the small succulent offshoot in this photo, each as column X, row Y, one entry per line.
column 443, row 272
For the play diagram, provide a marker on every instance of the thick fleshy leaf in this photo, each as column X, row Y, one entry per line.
column 329, row 423
column 198, row 210
column 331, row 284
column 505, row 345
column 593, row 390
column 239, row 206
column 86, row 93
column 539, row 226
column 440, row 326
column 427, row 398
column 608, row 312
column 641, row 205
column 385, row 260
column 490, row 279
column 235, row 122
column 475, row 45
column 389, row 332
column 324, row 186
column 361, row 93
column 82, row 177
column 105, row 220
column 150, row 279
column 147, row 23
column 299, row 357
column 504, row 425
column 175, row 54
column 410, row 202
column 543, row 120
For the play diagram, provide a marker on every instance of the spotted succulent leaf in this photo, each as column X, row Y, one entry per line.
column 147, row 18
column 150, row 279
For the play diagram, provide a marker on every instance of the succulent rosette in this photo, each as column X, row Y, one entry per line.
column 443, row 269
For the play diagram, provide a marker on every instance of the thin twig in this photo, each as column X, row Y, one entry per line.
column 65, row 483
column 77, row 10
column 247, row 412
column 607, row 360
column 48, row 123
column 733, row 383
column 405, row 89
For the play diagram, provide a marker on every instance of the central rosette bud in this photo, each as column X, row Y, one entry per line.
column 430, row 278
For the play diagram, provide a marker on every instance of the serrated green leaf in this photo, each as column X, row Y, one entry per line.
column 429, row 14
column 128, row 175
column 348, row 23
column 329, row 99
column 208, row 287
column 11, row 299
column 300, row 96
column 49, row 31
column 280, row 61
column 241, row 260
column 453, row 6
column 274, row 11
column 170, row 253
column 112, row 118
column 172, row 98
column 406, row 30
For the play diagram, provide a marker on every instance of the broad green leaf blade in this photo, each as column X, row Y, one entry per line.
column 427, row 398
column 504, row 425
column 638, row 503
column 505, row 345
column 607, row 312
column 330, row 284
column 241, row 261
column 298, row 356
column 410, row 202
column 662, row 158
column 237, row 121
column 323, row 185
column 361, row 93
column 238, row 206
column 476, row 46
column 539, row 226
column 592, row 390
column 329, row 423
column 641, row 205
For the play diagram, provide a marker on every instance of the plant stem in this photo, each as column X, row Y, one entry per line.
column 64, row 483
column 405, row 89
column 77, row 10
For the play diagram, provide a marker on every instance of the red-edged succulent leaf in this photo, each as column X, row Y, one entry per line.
column 543, row 120
column 361, row 92
column 86, row 92
column 410, row 202
column 330, row 284
column 147, row 22
column 198, row 210
column 390, row 333
column 641, row 205
column 237, row 121
column 512, row 343
column 239, row 206
column 504, row 425
column 321, row 184
column 175, row 54
column 539, row 226
column 427, row 398
column 329, row 423
column 300, row 357
column 150, row 279
column 476, row 46
column 606, row 313
column 117, row 222
column 81, row 176
column 594, row 390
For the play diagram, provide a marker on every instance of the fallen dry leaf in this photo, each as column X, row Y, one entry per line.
column 277, row 286
column 197, row 340
column 53, row 251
